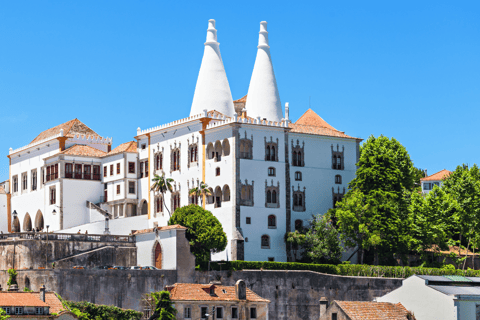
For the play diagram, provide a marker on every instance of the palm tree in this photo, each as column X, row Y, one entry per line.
column 201, row 190
column 162, row 185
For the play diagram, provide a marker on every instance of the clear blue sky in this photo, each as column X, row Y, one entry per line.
column 404, row 69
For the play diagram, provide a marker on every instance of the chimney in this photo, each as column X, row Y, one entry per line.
column 240, row 290
column 323, row 306
column 42, row 293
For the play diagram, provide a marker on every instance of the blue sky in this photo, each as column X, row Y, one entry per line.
column 404, row 69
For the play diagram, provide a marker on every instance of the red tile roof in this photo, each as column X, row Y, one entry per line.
column 242, row 99
column 175, row 226
column 439, row 176
column 82, row 150
column 310, row 118
column 70, row 128
column 2, row 190
column 21, row 299
column 363, row 310
column 199, row 292
column 130, row 146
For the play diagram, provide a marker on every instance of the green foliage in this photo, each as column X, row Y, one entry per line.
column 89, row 311
column 200, row 191
column 322, row 244
column 25, row 289
column 12, row 279
column 295, row 240
column 3, row 315
column 204, row 231
column 163, row 306
column 162, row 185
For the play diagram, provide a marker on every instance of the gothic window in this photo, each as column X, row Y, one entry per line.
column 265, row 242
column 298, row 154
column 272, row 222
column 226, row 193
column 337, row 196
column 272, row 195
column 53, row 196
column 24, row 181
column 271, row 150
column 192, row 156
column 246, row 195
column 298, row 199
column 246, row 147
column 175, row 199
column 218, row 197
column 193, row 198
column 298, row 176
column 158, row 204
column 298, row 225
column 338, row 162
column 34, row 179
column 175, row 159
column 159, row 161
column 338, row 179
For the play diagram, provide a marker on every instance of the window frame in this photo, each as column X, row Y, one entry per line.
column 118, row 168
column 131, row 186
column 231, row 311
column 265, row 245
column 298, row 176
column 105, row 171
column 131, row 167
column 253, row 312
column 272, row 172
column 53, row 195
column 187, row 315
column 111, row 170
column 338, row 179
column 269, row 221
column 222, row 311
column 248, row 220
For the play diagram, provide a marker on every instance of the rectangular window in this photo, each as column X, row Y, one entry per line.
column 271, row 259
column 271, row 172
column 203, row 312
column 7, row 310
column 217, row 171
column 187, row 313
column 53, row 196
column 249, row 220
column 56, row 171
column 253, row 313
column 298, row 176
column 146, row 168
column 68, row 170
column 96, row 172
column 131, row 187
column 334, row 316
column 131, row 167
column 78, row 171
column 234, row 313
column 18, row 310
column 118, row 168
column 15, row 183
column 118, row 189
column 142, row 165
column 219, row 313
column 24, row 181
column 111, row 169
column 48, row 174
column 87, row 173
column 105, row 172
column 34, row 180
column 38, row 310
column 144, row 146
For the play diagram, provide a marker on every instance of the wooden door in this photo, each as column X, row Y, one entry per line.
column 158, row 256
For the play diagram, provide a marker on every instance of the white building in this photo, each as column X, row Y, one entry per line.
column 267, row 174
column 435, row 179
column 438, row 297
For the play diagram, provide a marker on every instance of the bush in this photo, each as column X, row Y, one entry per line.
column 12, row 277
column 342, row 269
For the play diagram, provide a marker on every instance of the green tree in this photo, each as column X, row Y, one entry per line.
column 205, row 232
column 164, row 309
column 418, row 174
column 201, row 191
column 295, row 240
column 322, row 243
column 12, row 277
column 89, row 311
column 3, row 315
column 162, row 185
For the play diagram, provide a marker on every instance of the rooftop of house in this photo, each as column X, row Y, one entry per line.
column 364, row 310
column 242, row 99
column 70, row 128
column 30, row 299
column 2, row 190
column 82, row 150
column 130, row 146
column 208, row 292
column 439, row 176
column 175, row 226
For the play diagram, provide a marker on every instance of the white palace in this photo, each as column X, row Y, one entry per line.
column 267, row 174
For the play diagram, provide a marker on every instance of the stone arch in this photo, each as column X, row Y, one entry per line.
column 16, row 225
column 210, row 151
column 226, row 193
column 210, row 197
column 27, row 223
column 142, row 208
column 218, row 197
column 157, row 255
column 39, row 223
column 218, row 150
column 226, row 147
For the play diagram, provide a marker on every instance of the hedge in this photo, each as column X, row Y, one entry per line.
column 341, row 269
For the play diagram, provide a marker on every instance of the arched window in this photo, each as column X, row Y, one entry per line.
column 272, row 221
column 334, row 162
column 269, row 197
column 218, row 197
column 218, row 151
column 298, row 225
column 295, row 163
column 226, row 147
column 265, row 242
column 274, row 196
column 272, row 155
column 210, row 151
column 267, row 151
column 226, row 193
column 210, row 198
column 338, row 179
column 339, row 162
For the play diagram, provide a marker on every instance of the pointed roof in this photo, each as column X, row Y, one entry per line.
column 312, row 123
column 69, row 128
column 242, row 99
column 130, row 146
column 439, row 176
column 212, row 90
column 82, row 150
column 263, row 97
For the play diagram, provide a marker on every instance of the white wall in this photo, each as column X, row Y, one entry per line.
column 426, row 303
column 146, row 249
column 3, row 213
column 75, row 195
column 122, row 226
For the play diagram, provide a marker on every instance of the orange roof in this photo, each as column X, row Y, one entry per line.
column 21, row 299
column 70, row 128
column 363, row 310
column 439, row 176
column 2, row 190
column 312, row 123
column 242, row 99
column 175, row 226
column 130, row 146
column 197, row 292
column 82, row 150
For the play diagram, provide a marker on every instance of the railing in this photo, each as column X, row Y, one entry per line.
column 67, row 237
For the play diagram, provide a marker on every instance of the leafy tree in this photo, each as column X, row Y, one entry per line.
column 202, row 190
column 205, row 232
column 163, row 306
column 3, row 315
column 162, row 185
column 322, row 243
column 12, row 279
column 89, row 311
column 418, row 174
column 295, row 240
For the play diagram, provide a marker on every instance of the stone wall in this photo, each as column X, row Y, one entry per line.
column 293, row 294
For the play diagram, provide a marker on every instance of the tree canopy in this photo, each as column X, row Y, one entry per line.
column 204, row 231
column 322, row 244
column 163, row 306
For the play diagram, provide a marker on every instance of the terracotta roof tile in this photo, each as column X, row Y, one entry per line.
column 363, row 310
column 216, row 113
column 82, row 150
column 52, row 300
column 70, row 128
column 199, row 292
column 2, row 190
column 439, row 176
column 22, row 299
column 242, row 99
column 310, row 118
column 130, row 146
column 175, row 226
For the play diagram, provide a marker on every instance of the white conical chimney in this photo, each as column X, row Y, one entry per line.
column 263, row 99
column 212, row 91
